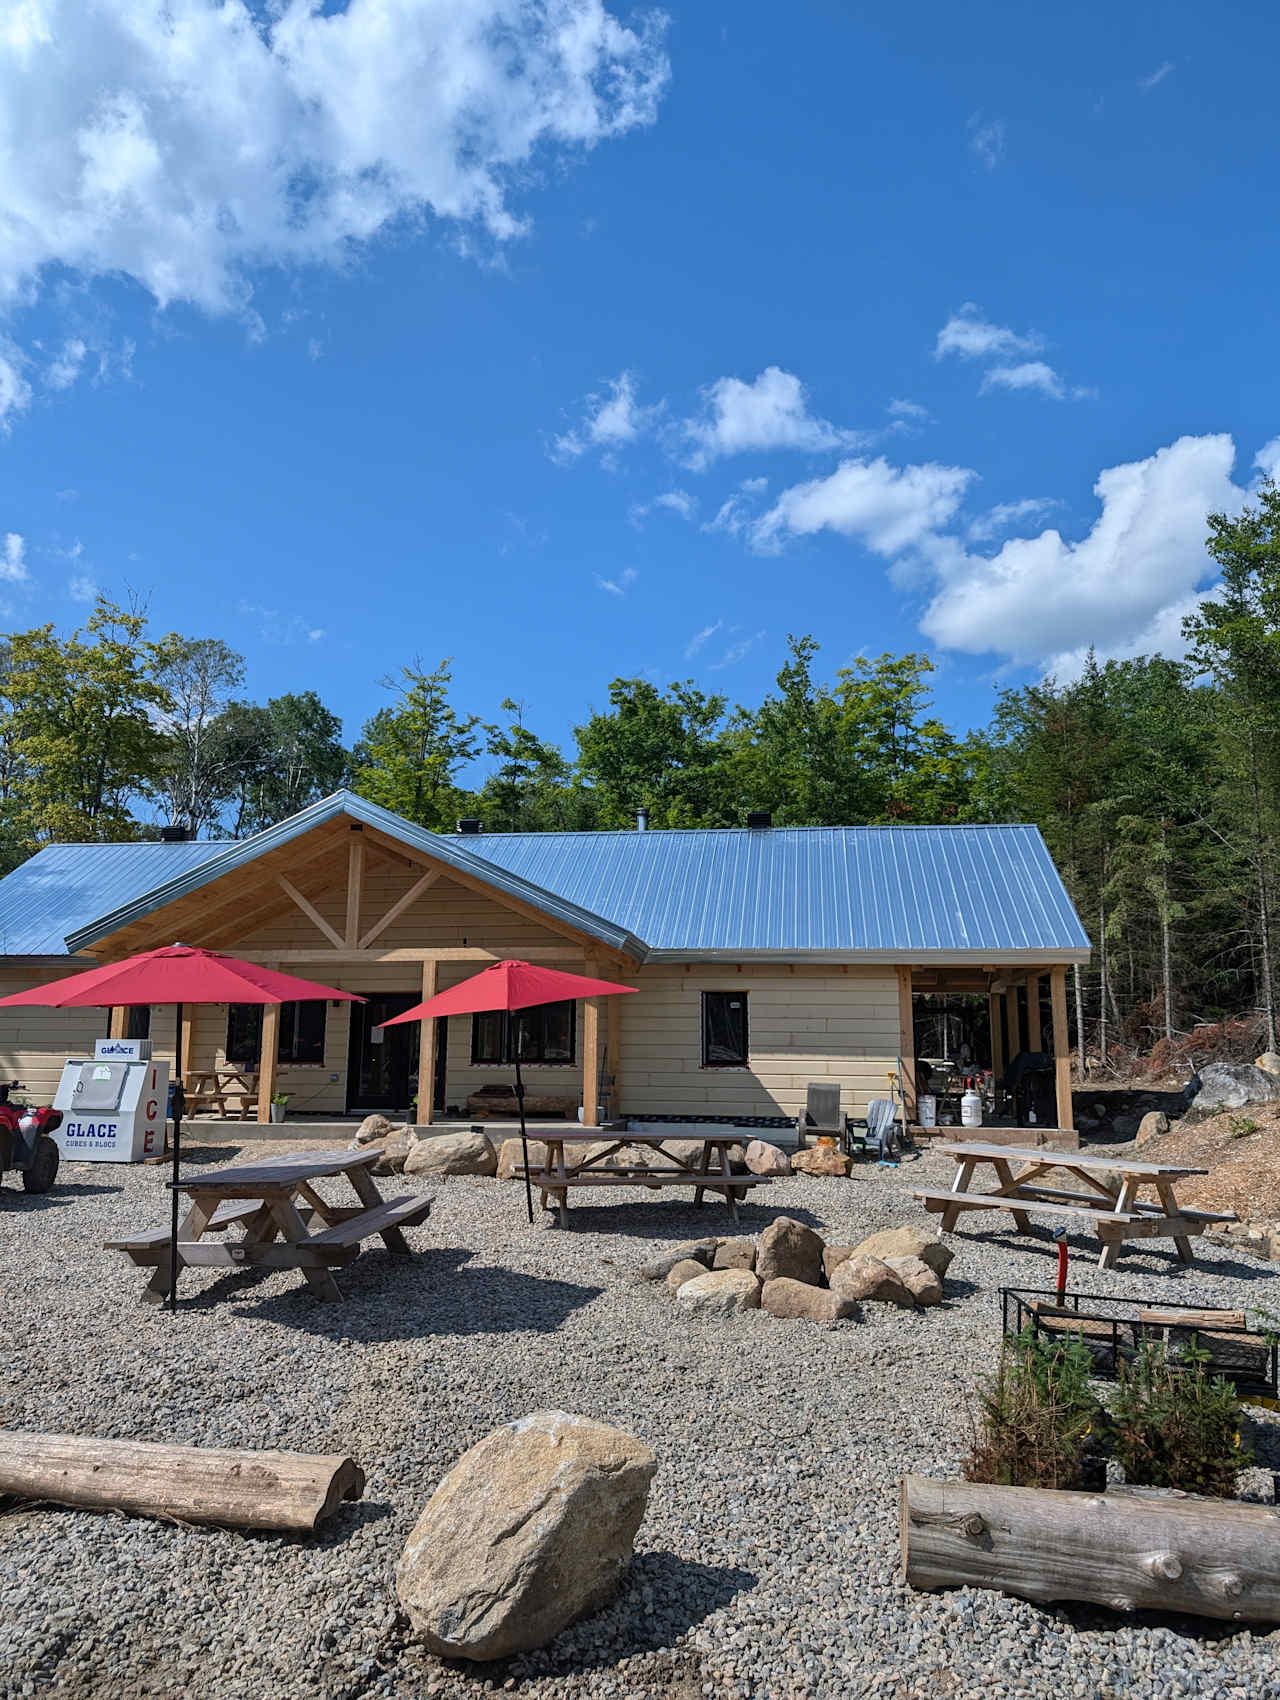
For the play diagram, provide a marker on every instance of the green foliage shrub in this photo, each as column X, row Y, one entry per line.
column 1172, row 1426
column 1036, row 1416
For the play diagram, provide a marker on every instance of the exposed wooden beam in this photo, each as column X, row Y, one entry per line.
column 427, row 1046
column 267, row 1054
column 355, row 888
column 1034, row 1040
column 406, row 901
column 313, row 915
column 591, row 1053
column 613, row 1055
column 1012, row 1020
column 995, row 1004
column 185, row 1043
column 339, row 956
column 1061, row 1046
column 907, row 1041
column 119, row 1021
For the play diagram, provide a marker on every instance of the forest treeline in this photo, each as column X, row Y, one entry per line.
column 1155, row 782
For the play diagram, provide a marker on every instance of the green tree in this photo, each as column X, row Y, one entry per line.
column 281, row 756
column 532, row 788
column 659, row 750
column 410, row 755
column 200, row 676
column 85, row 725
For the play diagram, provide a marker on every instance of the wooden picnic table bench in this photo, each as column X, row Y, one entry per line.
column 278, row 1197
column 558, row 1176
column 232, row 1092
column 1108, row 1203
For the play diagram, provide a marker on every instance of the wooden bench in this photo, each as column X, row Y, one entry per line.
column 384, row 1219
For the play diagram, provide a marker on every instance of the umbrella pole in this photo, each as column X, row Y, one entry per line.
column 524, row 1138
column 179, row 1105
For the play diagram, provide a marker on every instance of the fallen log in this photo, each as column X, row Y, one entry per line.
column 1216, row 1558
column 189, row 1484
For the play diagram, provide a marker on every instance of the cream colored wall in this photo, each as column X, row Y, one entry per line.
column 802, row 1025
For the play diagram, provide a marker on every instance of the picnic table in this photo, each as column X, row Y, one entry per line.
column 273, row 1198
column 594, row 1169
column 1109, row 1204
column 232, row 1092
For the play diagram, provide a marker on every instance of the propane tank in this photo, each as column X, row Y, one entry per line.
column 970, row 1106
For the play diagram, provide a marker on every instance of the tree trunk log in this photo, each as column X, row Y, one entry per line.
column 1215, row 1558
column 252, row 1490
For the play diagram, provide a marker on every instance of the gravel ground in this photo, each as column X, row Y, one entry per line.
column 765, row 1566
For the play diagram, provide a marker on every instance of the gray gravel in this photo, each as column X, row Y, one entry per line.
column 765, row 1565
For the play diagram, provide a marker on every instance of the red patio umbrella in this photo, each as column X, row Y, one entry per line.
column 511, row 986
column 177, row 974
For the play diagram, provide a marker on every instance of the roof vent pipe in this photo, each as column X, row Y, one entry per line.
column 642, row 820
column 469, row 826
column 759, row 817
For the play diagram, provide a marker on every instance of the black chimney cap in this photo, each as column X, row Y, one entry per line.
column 760, row 817
column 175, row 834
column 469, row 826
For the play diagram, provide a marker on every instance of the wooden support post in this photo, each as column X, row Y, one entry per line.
column 355, row 888
column 994, row 1005
column 907, row 1041
column 591, row 1052
column 267, row 1060
column 1034, row 1041
column 613, row 1056
column 1061, row 1045
column 427, row 1047
column 185, row 1042
column 1012, row 1021
column 119, row 1022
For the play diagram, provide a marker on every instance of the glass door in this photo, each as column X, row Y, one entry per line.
column 382, row 1062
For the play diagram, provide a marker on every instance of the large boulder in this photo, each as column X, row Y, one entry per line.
column 686, row 1270
column 789, row 1251
column 735, row 1254
column 766, row 1159
column 1268, row 1062
column 691, row 1152
column 1230, row 1086
column 819, row 1160
column 511, row 1158
column 719, row 1292
column 529, row 1531
column 870, row 1278
column 393, row 1151
column 701, row 1251
column 924, row 1285
column 467, row 1153
column 907, row 1242
column 1152, row 1125
column 797, row 1300
column 832, row 1257
column 371, row 1128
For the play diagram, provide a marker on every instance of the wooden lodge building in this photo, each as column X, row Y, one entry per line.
column 764, row 957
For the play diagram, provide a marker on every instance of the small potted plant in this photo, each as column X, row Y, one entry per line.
column 278, row 1102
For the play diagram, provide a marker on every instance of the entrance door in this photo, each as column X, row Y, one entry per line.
column 382, row 1062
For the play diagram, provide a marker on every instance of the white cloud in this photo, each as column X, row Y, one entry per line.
column 736, row 651
column 986, row 139
column 887, row 508
column 621, row 585
column 972, row 337
column 1028, row 375
column 184, row 143
column 1157, row 76
column 1005, row 515
column 907, row 416
column 699, row 639
column 64, row 369
column 275, row 626
column 770, row 413
column 15, row 391
column 678, row 501
column 13, row 558
column 1141, row 561
column 1267, row 460
column 611, row 419
column 737, row 511
column 81, row 588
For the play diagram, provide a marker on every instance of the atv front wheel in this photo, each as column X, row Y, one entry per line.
column 42, row 1171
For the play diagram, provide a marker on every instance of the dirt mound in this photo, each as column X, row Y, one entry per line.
column 1240, row 1149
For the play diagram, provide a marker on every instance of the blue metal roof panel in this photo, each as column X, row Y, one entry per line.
column 64, row 886
column 882, row 889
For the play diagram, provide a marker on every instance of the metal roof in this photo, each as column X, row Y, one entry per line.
column 900, row 893
column 888, row 893
column 65, row 885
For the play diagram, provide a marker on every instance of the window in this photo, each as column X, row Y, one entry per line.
column 724, row 1029
column 301, row 1033
column 545, row 1034
column 138, row 1022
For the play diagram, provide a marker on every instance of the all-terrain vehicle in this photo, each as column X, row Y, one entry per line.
column 25, row 1142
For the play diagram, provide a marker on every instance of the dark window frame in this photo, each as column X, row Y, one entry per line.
column 138, row 1021
column 299, row 1044
column 488, row 1026
column 719, row 1040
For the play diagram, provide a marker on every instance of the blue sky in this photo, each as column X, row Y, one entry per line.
column 574, row 342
